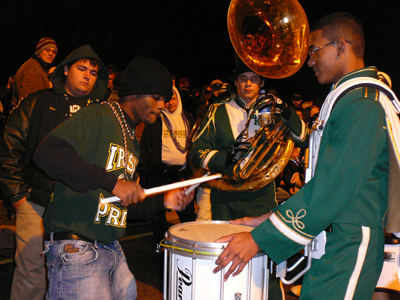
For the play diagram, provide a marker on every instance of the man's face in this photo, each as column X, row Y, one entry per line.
column 172, row 105
column 324, row 61
column 111, row 76
column 248, row 86
column 297, row 102
column 80, row 78
column 147, row 108
column 216, row 93
column 48, row 55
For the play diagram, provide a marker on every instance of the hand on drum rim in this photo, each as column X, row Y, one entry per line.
column 251, row 221
column 240, row 250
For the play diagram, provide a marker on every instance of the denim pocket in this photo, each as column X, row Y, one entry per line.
column 87, row 254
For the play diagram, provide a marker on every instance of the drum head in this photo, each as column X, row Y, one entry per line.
column 201, row 236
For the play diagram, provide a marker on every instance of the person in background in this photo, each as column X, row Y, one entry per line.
column 202, row 103
column 297, row 104
column 51, row 70
column 112, row 72
column 33, row 74
column 216, row 90
column 174, row 80
column 6, row 96
column 163, row 149
column 189, row 105
column 79, row 80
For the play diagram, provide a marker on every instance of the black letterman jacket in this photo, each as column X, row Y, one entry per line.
column 24, row 129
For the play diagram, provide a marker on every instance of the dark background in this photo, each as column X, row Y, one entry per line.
column 189, row 37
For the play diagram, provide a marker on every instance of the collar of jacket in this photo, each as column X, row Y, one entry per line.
column 41, row 62
column 242, row 104
column 364, row 72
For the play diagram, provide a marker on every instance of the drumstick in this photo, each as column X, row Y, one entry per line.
column 168, row 187
column 191, row 188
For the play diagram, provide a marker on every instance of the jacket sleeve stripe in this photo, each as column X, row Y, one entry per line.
column 303, row 133
column 287, row 231
column 207, row 159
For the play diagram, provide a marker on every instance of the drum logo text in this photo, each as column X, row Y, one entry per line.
column 184, row 279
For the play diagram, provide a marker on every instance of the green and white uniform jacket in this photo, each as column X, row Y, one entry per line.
column 213, row 142
column 95, row 134
column 350, row 183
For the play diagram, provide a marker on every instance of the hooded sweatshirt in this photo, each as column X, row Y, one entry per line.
column 176, row 123
column 86, row 51
column 157, row 148
column 35, row 117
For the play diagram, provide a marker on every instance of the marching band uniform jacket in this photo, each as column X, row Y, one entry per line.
column 348, row 192
column 212, row 144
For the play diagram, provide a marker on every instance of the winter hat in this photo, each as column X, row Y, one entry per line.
column 216, row 84
column 146, row 76
column 184, row 81
column 45, row 43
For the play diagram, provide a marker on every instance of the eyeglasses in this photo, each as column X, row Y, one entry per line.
column 312, row 51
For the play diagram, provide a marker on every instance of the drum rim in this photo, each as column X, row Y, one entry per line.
column 187, row 247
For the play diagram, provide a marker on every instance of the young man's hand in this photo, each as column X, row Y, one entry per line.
column 177, row 199
column 129, row 192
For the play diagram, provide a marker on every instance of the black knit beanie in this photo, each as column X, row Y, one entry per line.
column 146, row 76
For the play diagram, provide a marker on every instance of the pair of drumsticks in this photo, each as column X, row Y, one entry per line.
column 193, row 183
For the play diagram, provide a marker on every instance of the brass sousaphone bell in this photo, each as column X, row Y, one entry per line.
column 271, row 38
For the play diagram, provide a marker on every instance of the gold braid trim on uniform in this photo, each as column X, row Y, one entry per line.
column 211, row 118
column 203, row 153
column 294, row 220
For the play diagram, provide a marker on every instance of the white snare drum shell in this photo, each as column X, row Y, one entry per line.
column 190, row 253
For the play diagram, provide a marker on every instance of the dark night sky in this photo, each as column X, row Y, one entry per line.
column 189, row 37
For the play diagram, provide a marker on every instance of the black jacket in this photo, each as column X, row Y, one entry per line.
column 30, row 122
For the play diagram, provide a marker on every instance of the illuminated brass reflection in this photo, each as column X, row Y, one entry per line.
column 270, row 37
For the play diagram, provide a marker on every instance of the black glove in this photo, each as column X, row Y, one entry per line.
column 240, row 149
column 281, row 108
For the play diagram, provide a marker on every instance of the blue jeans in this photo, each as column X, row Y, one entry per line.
column 83, row 270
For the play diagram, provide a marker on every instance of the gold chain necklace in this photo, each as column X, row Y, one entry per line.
column 172, row 135
column 124, row 129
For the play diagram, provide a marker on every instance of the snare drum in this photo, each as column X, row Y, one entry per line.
column 189, row 260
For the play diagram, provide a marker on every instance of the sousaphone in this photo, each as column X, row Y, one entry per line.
column 271, row 38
